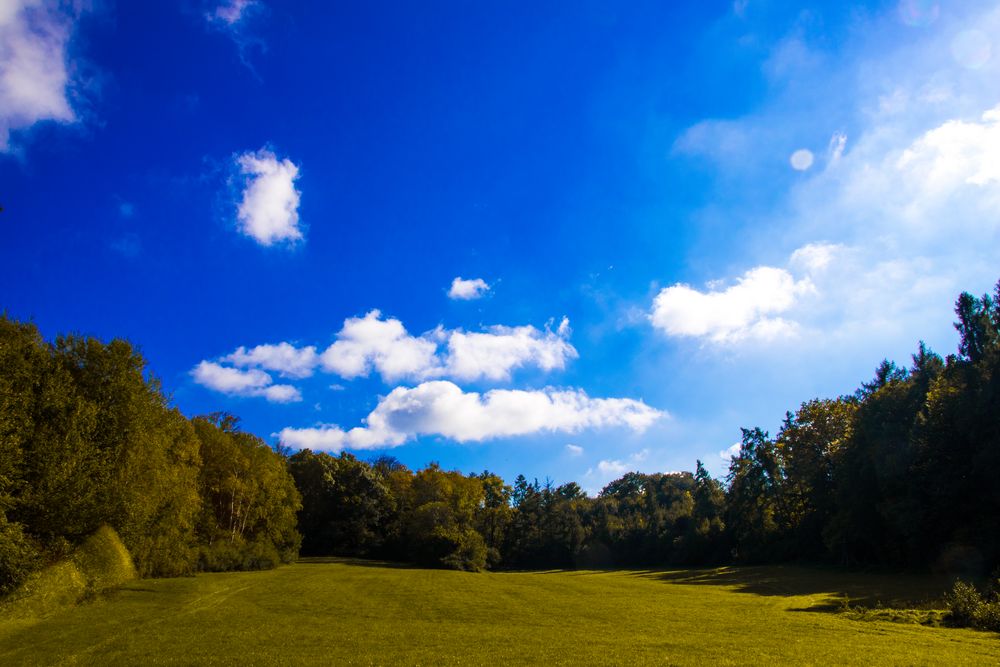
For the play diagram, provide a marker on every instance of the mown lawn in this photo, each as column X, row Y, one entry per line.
column 349, row 612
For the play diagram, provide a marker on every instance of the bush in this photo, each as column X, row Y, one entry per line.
column 101, row 562
column 47, row 591
column 104, row 560
column 226, row 555
column 967, row 607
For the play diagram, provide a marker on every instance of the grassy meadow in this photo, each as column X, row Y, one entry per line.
column 326, row 611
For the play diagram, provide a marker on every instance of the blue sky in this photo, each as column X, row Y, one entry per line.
column 560, row 239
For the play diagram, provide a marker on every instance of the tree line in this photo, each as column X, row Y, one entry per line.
column 87, row 438
column 901, row 473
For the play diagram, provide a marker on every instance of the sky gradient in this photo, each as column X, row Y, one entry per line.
column 560, row 239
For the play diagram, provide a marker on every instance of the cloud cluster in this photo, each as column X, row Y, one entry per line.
column 886, row 229
column 34, row 76
column 441, row 408
column 374, row 343
column 252, row 382
column 745, row 309
column 466, row 290
column 268, row 211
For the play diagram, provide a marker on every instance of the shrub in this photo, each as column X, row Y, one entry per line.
column 101, row 562
column 47, row 590
column 967, row 607
column 104, row 560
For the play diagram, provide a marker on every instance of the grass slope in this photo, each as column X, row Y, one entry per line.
column 325, row 612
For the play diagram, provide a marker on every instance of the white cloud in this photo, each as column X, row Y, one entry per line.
column 607, row 470
column 574, row 450
column 269, row 209
column 442, row 408
column 743, row 310
column 34, row 77
column 284, row 358
column 282, row 393
column 838, row 142
column 235, row 382
column 383, row 344
column 494, row 354
column 371, row 342
column 468, row 289
column 729, row 452
column 374, row 343
column 232, row 12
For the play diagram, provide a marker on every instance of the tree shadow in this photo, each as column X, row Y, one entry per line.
column 837, row 587
column 357, row 562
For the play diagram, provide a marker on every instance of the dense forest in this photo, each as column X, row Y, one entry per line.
column 87, row 439
column 901, row 473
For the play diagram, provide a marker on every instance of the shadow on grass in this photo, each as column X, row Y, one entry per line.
column 356, row 562
column 859, row 589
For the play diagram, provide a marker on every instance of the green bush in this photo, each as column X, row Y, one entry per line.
column 47, row 591
column 226, row 555
column 104, row 560
column 969, row 608
column 101, row 562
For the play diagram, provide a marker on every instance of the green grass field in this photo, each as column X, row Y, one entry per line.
column 351, row 612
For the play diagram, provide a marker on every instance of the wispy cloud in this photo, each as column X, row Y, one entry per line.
column 232, row 12
column 35, row 79
column 268, row 211
column 442, row 408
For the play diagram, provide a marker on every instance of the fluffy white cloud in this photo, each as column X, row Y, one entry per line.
column 284, row 358
column 574, row 450
column 252, row 382
column 33, row 72
column 468, row 289
column 494, row 354
column 442, row 408
column 383, row 344
column 743, row 310
column 374, row 343
column 269, row 209
column 371, row 342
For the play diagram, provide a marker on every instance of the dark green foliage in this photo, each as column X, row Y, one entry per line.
column 87, row 439
column 345, row 503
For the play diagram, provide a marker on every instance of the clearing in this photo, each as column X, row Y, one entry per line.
column 326, row 611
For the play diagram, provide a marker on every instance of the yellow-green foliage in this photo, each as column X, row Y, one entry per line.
column 46, row 591
column 101, row 562
column 104, row 560
column 332, row 612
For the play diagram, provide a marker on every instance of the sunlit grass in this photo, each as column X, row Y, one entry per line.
column 364, row 613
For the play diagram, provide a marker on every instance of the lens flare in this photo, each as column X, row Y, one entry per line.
column 918, row 13
column 971, row 49
column 801, row 159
